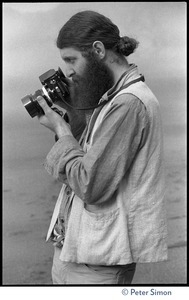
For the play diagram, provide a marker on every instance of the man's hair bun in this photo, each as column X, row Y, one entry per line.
column 126, row 45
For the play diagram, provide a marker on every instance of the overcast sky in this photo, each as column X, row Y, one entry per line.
column 30, row 31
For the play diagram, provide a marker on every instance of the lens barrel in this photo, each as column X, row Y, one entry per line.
column 31, row 105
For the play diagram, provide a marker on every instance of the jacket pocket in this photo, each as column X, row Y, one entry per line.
column 101, row 239
column 99, row 221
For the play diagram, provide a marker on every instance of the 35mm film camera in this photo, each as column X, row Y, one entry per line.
column 54, row 89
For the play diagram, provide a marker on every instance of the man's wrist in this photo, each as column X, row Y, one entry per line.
column 62, row 131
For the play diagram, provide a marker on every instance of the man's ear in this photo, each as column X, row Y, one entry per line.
column 99, row 49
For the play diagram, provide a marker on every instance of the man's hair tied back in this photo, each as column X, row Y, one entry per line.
column 126, row 45
column 86, row 27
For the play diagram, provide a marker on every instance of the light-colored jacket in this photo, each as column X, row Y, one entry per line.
column 131, row 227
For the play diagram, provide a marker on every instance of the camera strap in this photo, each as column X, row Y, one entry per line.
column 141, row 78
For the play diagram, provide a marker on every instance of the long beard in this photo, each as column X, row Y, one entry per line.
column 95, row 81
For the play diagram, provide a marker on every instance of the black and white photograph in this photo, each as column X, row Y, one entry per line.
column 94, row 144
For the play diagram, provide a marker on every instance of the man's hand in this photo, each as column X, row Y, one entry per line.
column 52, row 120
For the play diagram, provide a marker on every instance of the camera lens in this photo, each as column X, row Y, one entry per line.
column 31, row 105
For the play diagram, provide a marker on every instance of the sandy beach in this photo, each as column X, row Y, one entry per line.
column 29, row 195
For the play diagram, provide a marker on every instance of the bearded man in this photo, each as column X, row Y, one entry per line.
column 110, row 212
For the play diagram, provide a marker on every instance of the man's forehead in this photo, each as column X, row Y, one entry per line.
column 69, row 52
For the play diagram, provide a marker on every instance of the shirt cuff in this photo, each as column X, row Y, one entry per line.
column 58, row 153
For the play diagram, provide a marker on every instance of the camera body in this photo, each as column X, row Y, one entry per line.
column 54, row 89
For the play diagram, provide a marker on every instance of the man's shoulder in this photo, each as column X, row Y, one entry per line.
column 139, row 91
column 127, row 100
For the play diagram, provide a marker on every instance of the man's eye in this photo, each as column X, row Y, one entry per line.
column 70, row 60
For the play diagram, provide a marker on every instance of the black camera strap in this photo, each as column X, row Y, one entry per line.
column 141, row 78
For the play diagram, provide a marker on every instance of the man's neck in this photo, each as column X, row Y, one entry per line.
column 119, row 68
column 117, row 64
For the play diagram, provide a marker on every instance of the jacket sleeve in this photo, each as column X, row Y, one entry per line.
column 95, row 175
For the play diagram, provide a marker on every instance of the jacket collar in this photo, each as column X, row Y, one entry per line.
column 129, row 75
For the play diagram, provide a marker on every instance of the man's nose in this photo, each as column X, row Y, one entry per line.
column 69, row 72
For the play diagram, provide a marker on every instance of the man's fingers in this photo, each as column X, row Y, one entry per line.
column 43, row 104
